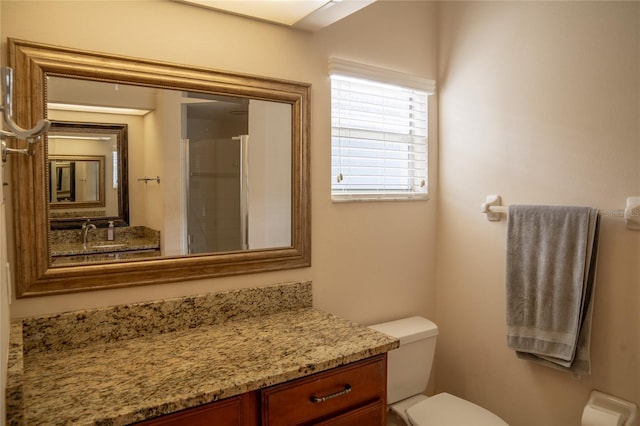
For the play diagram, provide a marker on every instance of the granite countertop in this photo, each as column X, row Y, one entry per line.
column 68, row 242
column 73, row 248
column 130, row 373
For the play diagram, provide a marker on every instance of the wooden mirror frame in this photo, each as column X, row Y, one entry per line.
column 32, row 63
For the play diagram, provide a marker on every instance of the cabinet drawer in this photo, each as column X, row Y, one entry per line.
column 327, row 394
column 239, row 410
column 372, row 414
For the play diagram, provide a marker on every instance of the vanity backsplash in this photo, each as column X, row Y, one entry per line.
column 66, row 214
column 81, row 328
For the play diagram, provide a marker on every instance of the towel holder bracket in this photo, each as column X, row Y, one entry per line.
column 32, row 136
column 632, row 213
column 489, row 208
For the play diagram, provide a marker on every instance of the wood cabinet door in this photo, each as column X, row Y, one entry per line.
column 241, row 410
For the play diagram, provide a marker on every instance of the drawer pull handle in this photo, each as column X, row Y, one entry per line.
column 319, row 399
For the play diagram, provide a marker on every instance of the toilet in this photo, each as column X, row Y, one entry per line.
column 408, row 371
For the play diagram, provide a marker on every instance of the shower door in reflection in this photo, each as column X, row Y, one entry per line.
column 217, row 195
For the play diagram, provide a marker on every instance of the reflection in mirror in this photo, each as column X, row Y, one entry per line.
column 75, row 181
column 231, row 153
column 207, row 147
column 75, row 148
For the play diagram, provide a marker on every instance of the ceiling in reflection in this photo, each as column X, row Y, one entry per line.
column 309, row 15
column 71, row 94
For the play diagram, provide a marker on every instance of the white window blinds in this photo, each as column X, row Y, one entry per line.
column 379, row 133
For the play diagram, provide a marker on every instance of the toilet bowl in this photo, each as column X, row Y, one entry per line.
column 408, row 370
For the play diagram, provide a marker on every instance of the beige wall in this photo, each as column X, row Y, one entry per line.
column 539, row 102
column 371, row 261
column 4, row 299
column 4, row 282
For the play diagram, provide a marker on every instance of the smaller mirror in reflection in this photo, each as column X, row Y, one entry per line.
column 86, row 180
column 76, row 181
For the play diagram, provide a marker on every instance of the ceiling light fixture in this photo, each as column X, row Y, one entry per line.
column 310, row 15
column 91, row 138
column 99, row 109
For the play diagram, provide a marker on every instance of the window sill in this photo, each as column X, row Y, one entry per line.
column 352, row 198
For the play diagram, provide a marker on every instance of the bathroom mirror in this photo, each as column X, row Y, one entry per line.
column 91, row 160
column 36, row 65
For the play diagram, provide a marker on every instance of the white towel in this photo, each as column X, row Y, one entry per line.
column 550, row 282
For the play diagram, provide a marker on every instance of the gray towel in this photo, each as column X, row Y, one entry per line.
column 550, row 282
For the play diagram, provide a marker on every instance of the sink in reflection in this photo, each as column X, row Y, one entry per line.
column 133, row 242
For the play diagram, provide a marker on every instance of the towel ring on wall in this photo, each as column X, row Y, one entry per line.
column 32, row 136
column 494, row 210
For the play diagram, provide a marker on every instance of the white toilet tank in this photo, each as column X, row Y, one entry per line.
column 409, row 366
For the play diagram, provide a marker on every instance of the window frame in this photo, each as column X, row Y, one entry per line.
column 377, row 75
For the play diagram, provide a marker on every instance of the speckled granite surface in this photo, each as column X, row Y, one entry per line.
column 69, row 241
column 124, row 364
column 104, row 257
column 74, row 214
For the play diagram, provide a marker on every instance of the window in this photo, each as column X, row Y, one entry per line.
column 379, row 133
column 115, row 169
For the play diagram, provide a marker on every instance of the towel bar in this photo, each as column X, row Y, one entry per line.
column 147, row 179
column 494, row 209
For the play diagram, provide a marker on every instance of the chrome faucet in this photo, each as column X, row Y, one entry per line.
column 85, row 231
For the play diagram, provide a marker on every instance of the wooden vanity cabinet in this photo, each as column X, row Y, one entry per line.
column 351, row 395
